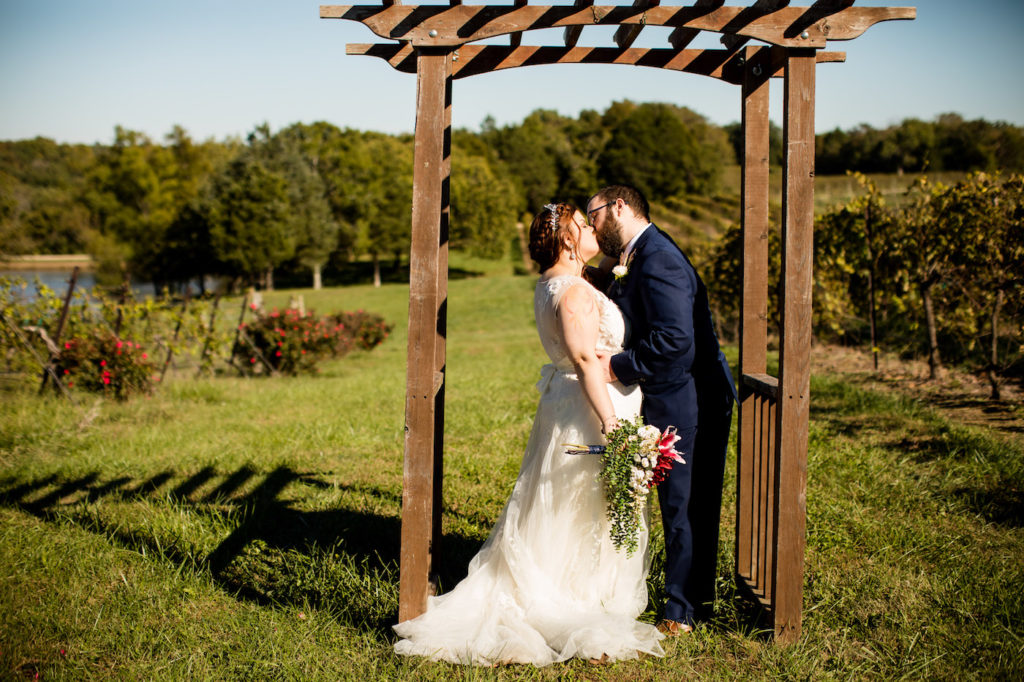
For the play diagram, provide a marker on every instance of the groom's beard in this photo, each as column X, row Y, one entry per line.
column 609, row 239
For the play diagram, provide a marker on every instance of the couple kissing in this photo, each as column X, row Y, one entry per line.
column 632, row 336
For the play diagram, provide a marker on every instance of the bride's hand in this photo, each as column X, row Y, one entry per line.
column 609, row 424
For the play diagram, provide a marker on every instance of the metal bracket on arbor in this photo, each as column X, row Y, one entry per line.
column 762, row 40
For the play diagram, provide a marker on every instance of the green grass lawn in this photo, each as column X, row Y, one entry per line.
column 230, row 528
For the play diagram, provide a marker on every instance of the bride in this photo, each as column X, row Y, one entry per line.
column 548, row 585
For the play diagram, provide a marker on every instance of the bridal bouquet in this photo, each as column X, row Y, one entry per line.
column 637, row 458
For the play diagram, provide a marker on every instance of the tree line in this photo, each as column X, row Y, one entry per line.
column 311, row 196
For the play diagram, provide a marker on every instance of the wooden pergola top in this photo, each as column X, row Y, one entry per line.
column 770, row 21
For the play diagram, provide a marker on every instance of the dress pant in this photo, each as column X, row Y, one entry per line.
column 705, row 509
column 674, row 499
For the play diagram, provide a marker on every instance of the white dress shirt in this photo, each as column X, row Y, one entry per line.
column 631, row 245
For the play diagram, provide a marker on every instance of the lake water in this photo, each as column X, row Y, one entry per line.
column 57, row 279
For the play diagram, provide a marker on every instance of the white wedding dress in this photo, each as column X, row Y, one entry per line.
column 547, row 584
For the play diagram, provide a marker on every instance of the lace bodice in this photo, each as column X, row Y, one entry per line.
column 612, row 329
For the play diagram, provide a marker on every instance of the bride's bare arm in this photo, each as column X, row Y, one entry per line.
column 580, row 318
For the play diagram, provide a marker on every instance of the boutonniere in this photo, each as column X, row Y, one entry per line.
column 621, row 271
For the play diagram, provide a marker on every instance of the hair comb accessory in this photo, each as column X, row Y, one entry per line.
column 553, row 220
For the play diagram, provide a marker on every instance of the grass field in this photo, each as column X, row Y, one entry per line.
column 248, row 529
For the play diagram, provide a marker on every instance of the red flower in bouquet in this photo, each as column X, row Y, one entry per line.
column 667, row 456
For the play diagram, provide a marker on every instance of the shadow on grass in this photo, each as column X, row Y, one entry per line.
column 904, row 428
column 342, row 560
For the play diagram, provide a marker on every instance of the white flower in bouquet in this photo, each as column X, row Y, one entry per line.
column 648, row 432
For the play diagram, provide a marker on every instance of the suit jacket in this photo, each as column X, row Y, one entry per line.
column 672, row 349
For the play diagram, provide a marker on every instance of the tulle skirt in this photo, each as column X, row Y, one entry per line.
column 547, row 584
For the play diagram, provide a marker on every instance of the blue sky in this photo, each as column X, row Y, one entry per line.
column 73, row 69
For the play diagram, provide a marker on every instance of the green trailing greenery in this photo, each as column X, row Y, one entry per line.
column 229, row 529
column 631, row 465
column 625, row 503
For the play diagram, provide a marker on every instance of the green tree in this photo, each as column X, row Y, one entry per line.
column 664, row 151
column 483, row 213
column 247, row 214
column 531, row 150
column 369, row 180
column 724, row 278
column 41, row 183
column 734, row 131
column 310, row 220
column 129, row 203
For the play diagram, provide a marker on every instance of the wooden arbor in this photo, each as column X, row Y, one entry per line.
column 436, row 43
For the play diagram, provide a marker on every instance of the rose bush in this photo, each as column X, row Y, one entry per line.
column 100, row 362
column 291, row 342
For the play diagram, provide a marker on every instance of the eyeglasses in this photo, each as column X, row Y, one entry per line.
column 595, row 210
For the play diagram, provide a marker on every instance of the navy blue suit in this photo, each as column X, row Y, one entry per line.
column 672, row 352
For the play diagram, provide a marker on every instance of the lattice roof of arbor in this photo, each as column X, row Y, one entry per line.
column 456, row 26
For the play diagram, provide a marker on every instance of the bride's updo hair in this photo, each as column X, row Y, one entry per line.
column 547, row 231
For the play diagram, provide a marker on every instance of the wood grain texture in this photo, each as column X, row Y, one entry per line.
column 770, row 534
column 797, row 27
column 472, row 60
column 756, row 495
column 424, row 406
column 626, row 34
column 754, row 213
column 794, row 358
column 753, row 324
column 746, row 433
column 571, row 35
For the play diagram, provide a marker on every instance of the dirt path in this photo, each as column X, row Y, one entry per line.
column 963, row 397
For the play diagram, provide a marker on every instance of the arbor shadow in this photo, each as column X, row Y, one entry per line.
column 273, row 547
column 996, row 496
column 994, row 488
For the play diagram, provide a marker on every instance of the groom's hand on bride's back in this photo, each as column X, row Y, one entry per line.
column 606, row 365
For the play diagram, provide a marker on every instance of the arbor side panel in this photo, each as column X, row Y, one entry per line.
column 794, row 360
column 754, row 300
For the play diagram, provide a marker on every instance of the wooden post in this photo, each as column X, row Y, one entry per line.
column 754, row 300
column 425, row 375
column 48, row 368
column 209, row 334
column 122, row 299
column 794, row 360
column 238, row 335
column 177, row 331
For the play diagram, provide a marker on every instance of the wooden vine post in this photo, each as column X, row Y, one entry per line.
column 440, row 43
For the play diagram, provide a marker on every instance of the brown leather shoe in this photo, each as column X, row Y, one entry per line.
column 671, row 628
column 599, row 661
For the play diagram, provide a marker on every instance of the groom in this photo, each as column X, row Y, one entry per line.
column 672, row 352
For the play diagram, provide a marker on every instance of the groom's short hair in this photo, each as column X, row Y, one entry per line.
column 629, row 195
